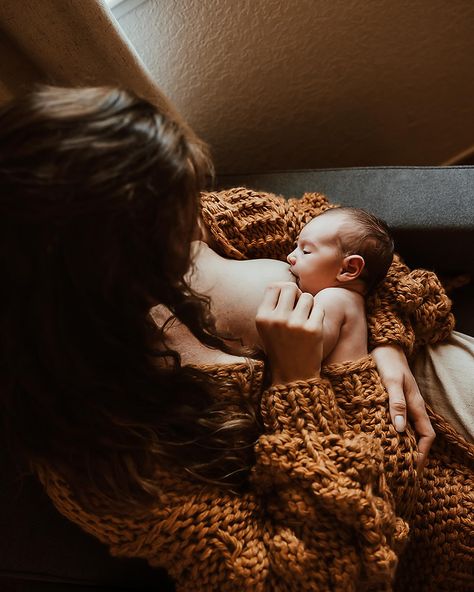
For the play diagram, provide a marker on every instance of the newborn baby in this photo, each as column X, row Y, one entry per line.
column 340, row 256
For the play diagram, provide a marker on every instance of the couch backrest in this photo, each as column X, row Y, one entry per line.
column 430, row 209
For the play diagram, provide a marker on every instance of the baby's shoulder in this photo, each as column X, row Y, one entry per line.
column 341, row 299
column 334, row 294
column 334, row 301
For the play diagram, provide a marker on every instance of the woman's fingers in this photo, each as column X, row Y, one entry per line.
column 317, row 316
column 287, row 297
column 303, row 308
column 419, row 417
column 273, row 298
column 270, row 298
column 405, row 397
column 397, row 404
column 290, row 327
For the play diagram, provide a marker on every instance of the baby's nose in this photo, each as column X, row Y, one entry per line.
column 291, row 259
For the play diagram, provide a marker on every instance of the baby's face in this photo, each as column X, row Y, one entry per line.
column 317, row 258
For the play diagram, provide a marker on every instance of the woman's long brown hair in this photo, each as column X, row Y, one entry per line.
column 99, row 199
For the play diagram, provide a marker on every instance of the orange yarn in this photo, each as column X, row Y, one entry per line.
column 334, row 501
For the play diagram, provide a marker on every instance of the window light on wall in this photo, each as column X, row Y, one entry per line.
column 113, row 3
column 121, row 7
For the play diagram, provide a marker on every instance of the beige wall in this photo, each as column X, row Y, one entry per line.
column 278, row 84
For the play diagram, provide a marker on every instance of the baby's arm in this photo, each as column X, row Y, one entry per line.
column 334, row 306
column 345, row 325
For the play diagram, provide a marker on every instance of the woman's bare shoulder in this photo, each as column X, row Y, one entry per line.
column 180, row 339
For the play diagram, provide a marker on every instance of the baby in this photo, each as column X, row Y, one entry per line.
column 340, row 255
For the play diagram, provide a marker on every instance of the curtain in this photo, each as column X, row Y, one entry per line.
column 70, row 43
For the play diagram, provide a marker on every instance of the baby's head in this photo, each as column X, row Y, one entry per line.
column 342, row 247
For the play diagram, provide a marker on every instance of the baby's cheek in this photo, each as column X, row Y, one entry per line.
column 305, row 286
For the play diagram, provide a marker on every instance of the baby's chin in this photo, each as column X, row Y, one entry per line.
column 293, row 278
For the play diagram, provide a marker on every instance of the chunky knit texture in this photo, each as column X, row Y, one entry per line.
column 334, row 502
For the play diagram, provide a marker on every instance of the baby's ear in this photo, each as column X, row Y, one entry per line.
column 351, row 268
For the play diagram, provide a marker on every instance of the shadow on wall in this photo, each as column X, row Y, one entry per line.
column 272, row 85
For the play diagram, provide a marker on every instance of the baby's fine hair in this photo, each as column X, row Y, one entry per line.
column 367, row 236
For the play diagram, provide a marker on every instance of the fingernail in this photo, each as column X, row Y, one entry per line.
column 399, row 422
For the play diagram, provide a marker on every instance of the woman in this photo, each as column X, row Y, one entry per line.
column 233, row 476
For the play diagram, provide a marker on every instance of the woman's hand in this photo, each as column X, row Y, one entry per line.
column 290, row 325
column 404, row 396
